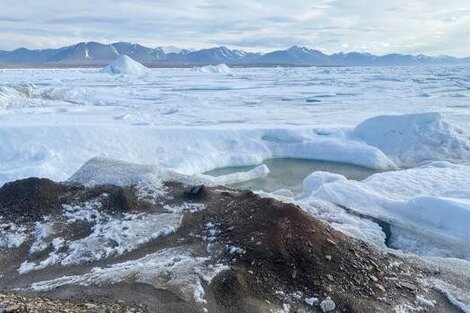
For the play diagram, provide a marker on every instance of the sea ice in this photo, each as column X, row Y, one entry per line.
column 429, row 213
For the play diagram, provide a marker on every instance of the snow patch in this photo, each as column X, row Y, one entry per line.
column 459, row 298
column 422, row 301
column 406, row 308
column 12, row 235
column 42, row 230
column 109, row 235
column 175, row 269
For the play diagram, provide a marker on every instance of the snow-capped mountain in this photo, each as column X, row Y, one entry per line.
column 84, row 52
column 295, row 56
column 219, row 55
column 170, row 49
column 353, row 58
column 95, row 53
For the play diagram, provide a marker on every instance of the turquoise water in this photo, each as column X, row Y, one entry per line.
column 289, row 173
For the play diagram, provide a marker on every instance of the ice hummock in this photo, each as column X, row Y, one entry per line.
column 415, row 138
column 125, row 65
column 217, row 69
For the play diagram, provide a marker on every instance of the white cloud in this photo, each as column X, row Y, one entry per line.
column 419, row 26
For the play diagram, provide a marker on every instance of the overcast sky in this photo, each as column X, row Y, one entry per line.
column 413, row 26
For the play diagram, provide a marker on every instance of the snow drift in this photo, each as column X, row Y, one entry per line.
column 125, row 65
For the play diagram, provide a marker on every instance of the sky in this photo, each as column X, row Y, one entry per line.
column 431, row 27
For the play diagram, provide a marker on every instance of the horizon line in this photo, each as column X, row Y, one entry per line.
column 239, row 49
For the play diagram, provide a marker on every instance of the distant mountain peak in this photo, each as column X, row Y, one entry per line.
column 95, row 53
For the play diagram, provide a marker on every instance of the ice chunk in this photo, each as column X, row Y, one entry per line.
column 217, row 69
column 257, row 172
column 103, row 171
column 125, row 65
column 319, row 178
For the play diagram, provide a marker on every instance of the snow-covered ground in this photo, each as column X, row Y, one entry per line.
column 193, row 121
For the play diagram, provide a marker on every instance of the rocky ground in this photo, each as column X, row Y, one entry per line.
column 15, row 303
column 272, row 256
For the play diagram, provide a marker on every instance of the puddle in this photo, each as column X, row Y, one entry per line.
column 290, row 173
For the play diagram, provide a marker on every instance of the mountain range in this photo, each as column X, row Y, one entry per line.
column 98, row 54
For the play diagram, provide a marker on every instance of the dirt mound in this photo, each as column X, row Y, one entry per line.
column 280, row 254
column 276, row 257
column 32, row 198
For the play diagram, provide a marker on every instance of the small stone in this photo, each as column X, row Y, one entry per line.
column 194, row 190
column 327, row 305
column 331, row 242
column 328, row 257
column 380, row 287
column 330, row 277
column 375, row 279
column 294, row 274
column 258, row 243
column 408, row 286
column 312, row 301
column 13, row 308
column 90, row 305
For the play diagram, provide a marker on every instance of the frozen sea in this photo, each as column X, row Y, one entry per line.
column 408, row 125
column 249, row 97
